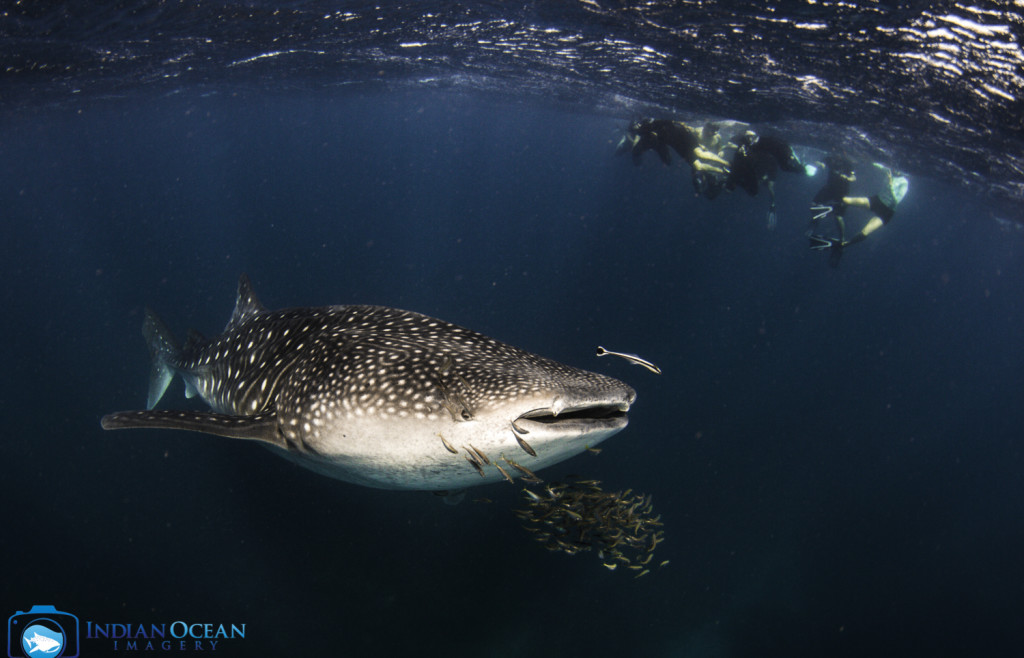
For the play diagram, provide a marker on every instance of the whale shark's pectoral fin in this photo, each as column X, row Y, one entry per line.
column 255, row 428
column 451, row 497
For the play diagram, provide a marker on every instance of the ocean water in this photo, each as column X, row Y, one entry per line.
column 836, row 453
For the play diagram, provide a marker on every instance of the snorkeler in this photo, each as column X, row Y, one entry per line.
column 711, row 138
column 882, row 205
column 758, row 160
column 829, row 199
column 661, row 134
column 837, row 185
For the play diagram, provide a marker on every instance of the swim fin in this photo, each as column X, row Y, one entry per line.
column 835, row 254
column 834, row 246
column 820, row 243
column 821, row 212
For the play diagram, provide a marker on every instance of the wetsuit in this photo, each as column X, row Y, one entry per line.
column 659, row 135
column 837, row 186
column 781, row 152
column 750, row 166
column 760, row 159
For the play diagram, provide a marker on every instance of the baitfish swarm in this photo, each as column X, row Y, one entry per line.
column 580, row 516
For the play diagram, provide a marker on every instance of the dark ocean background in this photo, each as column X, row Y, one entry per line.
column 836, row 453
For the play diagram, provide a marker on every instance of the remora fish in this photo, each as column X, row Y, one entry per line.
column 632, row 358
column 361, row 393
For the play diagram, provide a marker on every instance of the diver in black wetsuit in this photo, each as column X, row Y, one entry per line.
column 830, row 198
column 882, row 206
column 758, row 160
column 661, row 134
column 708, row 167
column 837, row 184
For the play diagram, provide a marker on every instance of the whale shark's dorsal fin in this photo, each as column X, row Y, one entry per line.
column 246, row 304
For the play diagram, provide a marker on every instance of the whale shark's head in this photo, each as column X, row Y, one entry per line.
column 416, row 402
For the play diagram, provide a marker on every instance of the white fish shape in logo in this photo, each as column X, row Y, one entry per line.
column 43, row 644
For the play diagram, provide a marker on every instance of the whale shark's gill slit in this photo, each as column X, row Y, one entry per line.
column 260, row 391
column 452, row 399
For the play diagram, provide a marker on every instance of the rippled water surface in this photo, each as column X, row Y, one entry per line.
column 936, row 86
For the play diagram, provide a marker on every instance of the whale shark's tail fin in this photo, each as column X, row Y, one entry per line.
column 164, row 350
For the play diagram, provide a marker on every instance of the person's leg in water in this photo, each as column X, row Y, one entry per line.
column 872, row 224
column 706, row 158
column 700, row 165
column 836, row 253
column 857, row 201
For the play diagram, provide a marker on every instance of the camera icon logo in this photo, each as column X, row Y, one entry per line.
column 42, row 631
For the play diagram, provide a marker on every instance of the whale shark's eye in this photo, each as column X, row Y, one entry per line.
column 466, row 415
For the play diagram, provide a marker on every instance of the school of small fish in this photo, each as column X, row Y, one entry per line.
column 578, row 516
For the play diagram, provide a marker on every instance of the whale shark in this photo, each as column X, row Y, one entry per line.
column 378, row 396
column 42, row 643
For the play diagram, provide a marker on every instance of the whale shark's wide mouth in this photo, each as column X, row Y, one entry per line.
column 591, row 417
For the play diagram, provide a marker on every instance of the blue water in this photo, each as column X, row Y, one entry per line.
column 836, row 453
